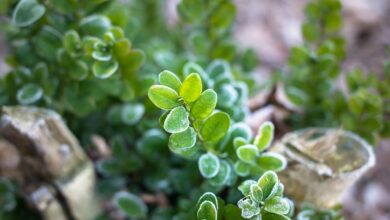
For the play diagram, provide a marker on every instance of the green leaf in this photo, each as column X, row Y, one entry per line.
column 104, row 69
column 95, row 25
column 101, row 52
column 223, row 174
column 71, row 42
column 267, row 182
column 191, row 88
column 169, row 79
column 247, row 153
column 232, row 212
column 130, row 204
column 239, row 141
column 185, row 139
column 205, row 105
column 207, row 211
column 132, row 113
column 265, row 136
column 47, row 42
column 134, row 60
column 209, row 165
column 256, row 193
column 215, row 127
column 273, row 216
column 277, row 205
column 79, row 70
column 29, row 94
column 245, row 187
column 242, row 168
column 163, row 97
column 249, row 208
column 177, row 120
column 27, row 12
column 272, row 161
column 299, row 55
column 208, row 196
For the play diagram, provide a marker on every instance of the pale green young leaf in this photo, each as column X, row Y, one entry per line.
column 238, row 142
column 247, row 153
column 249, row 208
column 169, row 79
column 267, row 182
column 209, row 165
column 277, row 205
column 205, row 104
column 215, row 127
column 272, row 161
column 265, row 136
column 177, row 120
column 256, row 193
column 163, row 97
column 191, row 88
column 245, row 187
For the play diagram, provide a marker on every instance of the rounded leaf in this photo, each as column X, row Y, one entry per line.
column 130, row 204
column 79, row 70
column 242, row 168
column 177, row 120
column 272, row 161
column 249, row 208
column 256, row 193
column 277, row 205
column 209, row 165
column 208, row 196
column 29, row 93
column 264, row 136
column 132, row 113
column 267, row 182
column 245, row 187
column 223, row 174
column 27, row 12
column 71, row 41
column 247, row 153
column 169, row 79
column 215, row 127
column 95, row 25
column 104, row 69
column 191, row 88
column 185, row 139
column 207, row 211
column 163, row 97
column 205, row 104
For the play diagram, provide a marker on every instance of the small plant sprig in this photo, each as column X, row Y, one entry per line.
column 200, row 131
column 263, row 200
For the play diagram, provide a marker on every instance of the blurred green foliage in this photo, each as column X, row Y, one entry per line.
column 314, row 70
